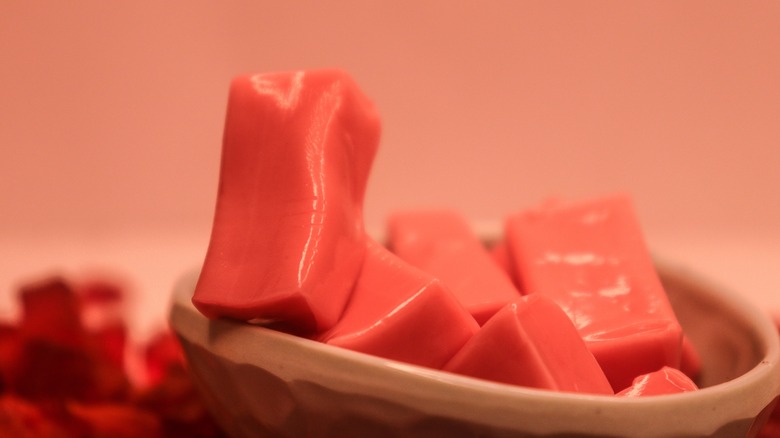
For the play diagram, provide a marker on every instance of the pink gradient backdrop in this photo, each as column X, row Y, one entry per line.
column 112, row 116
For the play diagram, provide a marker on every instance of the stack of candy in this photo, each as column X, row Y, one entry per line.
column 568, row 299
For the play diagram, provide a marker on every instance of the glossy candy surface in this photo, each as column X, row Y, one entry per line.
column 400, row 312
column 591, row 258
column 664, row 381
column 531, row 343
column 443, row 244
column 288, row 240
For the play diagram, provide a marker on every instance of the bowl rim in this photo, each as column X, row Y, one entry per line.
column 744, row 396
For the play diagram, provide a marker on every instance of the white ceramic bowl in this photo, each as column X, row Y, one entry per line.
column 259, row 382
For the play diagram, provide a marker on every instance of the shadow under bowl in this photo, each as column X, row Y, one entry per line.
column 260, row 382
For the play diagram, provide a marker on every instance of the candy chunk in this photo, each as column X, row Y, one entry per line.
column 532, row 342
column 399, row 312
column 288, row 240
column 591, row 259
column 667, row 380
column 442, row 244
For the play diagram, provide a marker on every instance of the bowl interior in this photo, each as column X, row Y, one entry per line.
column 722, row 328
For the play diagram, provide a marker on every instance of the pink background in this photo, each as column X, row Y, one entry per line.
column 112, row 117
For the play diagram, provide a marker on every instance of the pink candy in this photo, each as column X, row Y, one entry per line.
column 531, row 342
column 590, row 258
column 399, row 312
column 288, row 240
column 288, row 249
column 443, row 244
column 662, row 382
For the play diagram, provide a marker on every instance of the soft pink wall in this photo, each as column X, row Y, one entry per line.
column 112, row 111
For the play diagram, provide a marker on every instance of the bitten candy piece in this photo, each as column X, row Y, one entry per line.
column 442, row 244
column 664, row 381
column 288, row 240
column 400, row 312
column 590, row 257
column 531, row 342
